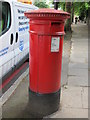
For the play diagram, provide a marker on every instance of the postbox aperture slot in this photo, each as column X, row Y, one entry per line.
column 55, row 23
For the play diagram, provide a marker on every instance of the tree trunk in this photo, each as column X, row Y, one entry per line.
column 72, row 13
column 68, row 22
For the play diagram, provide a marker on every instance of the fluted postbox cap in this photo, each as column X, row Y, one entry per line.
column 46, row 13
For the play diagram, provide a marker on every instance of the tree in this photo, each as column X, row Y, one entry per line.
column 81, row 9
column 68, row 7
column 62, row 5
column 41, row 4
column 72, row 13
column 75, row 8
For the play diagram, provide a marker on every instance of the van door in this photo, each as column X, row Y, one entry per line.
column 21, row 47
column 6, row 38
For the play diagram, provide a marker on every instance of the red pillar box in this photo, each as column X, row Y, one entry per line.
column 46, row 44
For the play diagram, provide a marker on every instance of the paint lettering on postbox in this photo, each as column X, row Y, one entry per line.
column 55, row 41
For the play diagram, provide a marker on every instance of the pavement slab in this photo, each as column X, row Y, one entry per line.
column 79, row 59
column 69, row 97
column 77, row 81
column 76, row 65
column 70, row 113
column 18, row 101
column 78, row 72
column 85, row 98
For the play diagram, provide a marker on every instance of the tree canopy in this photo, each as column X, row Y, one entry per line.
column 41, row 4
column 80, row 8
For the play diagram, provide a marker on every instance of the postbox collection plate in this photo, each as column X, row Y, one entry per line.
column 55, row 43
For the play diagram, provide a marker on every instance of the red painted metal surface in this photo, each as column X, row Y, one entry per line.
column 45, row 65
column 47, row 14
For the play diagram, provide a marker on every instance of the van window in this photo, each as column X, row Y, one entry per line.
column 5, row 17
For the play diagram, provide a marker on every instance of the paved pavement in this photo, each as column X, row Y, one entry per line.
column 74, row 102
column 74, row 97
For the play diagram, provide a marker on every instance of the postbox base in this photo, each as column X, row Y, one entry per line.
column 43, row 104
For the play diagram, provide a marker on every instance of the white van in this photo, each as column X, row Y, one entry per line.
column 14, row 35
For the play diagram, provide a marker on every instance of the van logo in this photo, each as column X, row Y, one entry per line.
column 4, row 51
column 21, row 45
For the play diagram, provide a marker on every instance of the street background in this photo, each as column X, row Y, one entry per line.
column 74, row 81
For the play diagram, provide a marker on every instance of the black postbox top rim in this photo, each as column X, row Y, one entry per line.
column 47, row 13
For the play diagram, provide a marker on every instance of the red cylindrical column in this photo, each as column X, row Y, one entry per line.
column 46, row 44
